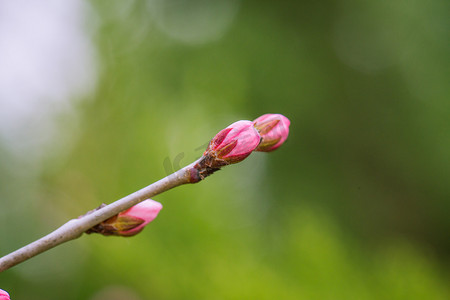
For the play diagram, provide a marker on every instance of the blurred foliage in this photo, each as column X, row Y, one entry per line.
column 354, row 206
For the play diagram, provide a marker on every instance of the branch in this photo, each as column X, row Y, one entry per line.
column 76, row 227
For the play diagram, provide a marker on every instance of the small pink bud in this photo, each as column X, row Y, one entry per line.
column 233, row 144
column 4, row 295
column 131, row 221
column 274, row 130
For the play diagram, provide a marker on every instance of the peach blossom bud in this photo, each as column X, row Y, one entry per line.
column 131, row 221
column 274, row 130
column 232, row 144
column 4, row 295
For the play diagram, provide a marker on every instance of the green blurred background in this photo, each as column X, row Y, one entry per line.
column 355, row 205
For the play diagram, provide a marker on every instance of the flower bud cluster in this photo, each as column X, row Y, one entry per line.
column 236, row 142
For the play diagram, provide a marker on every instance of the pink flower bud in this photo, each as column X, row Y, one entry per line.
column 274, row 130
column 4, row 295
column 131, row 221
column 232, row 144
column 143, row 213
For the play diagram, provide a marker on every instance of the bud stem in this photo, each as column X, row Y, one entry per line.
column 76, row 227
